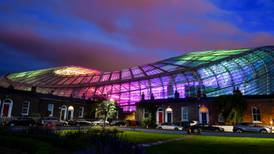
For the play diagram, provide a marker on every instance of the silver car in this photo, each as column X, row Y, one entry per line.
column 52, row 121
column 99, row 122
column 169, row 126
column 251, row 127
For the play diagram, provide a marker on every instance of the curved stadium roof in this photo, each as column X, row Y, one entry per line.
column 214, row 72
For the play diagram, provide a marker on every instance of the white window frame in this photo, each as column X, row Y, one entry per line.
column 22, row 109
column 81, row 114
column 51, row 110
column 184, row 112
column 256, row 114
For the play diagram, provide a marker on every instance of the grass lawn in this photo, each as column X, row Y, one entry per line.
column 143, row 137
column 215, row 144
column 16, row 144
column 194, row 144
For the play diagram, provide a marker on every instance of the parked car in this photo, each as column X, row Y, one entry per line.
column 80, row 122
column 186, row 124
column 193, row 129
column 46, row 121
column 170, row 126
column 132, row 123
column 118, row 123
column 22, row 121
column 251, row 127
column 99, row 122
column 190, row 127
column 207, row 127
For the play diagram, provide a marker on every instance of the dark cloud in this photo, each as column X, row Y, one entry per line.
column 110, row 35
column 73, row 52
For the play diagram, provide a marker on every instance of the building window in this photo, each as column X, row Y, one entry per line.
column 81, row 112
column 25, row 108
column 50, row 109
column 184, row 113
column 146, row 113
column 256, row 114
column 221, row 118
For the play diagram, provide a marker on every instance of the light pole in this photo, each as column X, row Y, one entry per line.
column 271, row 123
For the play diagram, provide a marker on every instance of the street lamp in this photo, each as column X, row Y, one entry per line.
column 271, row 123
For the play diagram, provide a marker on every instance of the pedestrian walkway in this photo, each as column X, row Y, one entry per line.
column 162, row 142
column 209, row 133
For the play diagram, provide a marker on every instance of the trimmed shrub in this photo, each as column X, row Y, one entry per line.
column 92, row 140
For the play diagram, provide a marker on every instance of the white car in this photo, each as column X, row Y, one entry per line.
column 193, row 123
column 169, row 126
column 99, row 122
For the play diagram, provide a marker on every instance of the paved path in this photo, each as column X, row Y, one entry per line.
column 161, row 142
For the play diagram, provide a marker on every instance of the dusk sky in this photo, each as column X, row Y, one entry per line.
column 115, row 34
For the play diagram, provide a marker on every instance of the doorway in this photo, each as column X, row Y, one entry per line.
column 203, row 115
column 204, row 118
column 70, row 112
column 169, row 115
column 6, row 108
column 63, row 113
column 160, row 116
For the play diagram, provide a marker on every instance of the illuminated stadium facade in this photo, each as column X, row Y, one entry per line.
column 212, row 73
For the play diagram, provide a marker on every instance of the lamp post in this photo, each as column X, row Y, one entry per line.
column 271, row 123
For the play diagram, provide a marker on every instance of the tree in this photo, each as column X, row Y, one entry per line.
column 232, row 107
column 106, row 109
column 150, row 121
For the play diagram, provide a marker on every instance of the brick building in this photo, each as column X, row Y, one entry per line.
column 16, row 103
column 212, row 73
column 258, row 109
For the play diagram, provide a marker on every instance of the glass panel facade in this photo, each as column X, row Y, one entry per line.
column 216, row 72
column 137, row 72
column 126, row 74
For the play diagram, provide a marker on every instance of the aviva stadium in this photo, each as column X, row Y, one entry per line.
column 213, row 73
